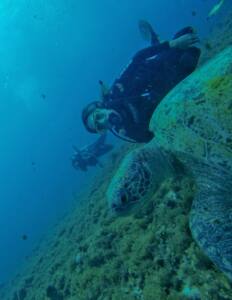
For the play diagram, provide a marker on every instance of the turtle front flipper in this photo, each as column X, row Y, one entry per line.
column 211, row 216
column 140, row 173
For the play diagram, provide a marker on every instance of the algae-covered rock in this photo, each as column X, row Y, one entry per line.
column 147, row 253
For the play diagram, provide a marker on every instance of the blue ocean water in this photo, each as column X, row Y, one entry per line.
column 52, row 55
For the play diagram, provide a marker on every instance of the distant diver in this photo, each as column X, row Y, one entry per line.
column 126, row 108
column 88, row 155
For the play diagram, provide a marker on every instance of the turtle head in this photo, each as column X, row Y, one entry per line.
column 131, row 183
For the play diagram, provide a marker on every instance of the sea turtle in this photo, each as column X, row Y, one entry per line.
column 193, row 129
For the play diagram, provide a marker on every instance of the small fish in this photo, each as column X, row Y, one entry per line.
column 24, row 237
column 215, row 9
column 33, row 164
column 194, row 13
column 43, row 96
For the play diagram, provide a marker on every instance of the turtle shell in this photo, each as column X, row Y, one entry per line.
column 195, row 118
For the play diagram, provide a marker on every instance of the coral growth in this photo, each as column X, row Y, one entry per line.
column 145, row 254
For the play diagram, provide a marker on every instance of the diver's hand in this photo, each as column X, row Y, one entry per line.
column 185, row 41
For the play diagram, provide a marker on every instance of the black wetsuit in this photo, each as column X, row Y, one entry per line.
column 152, row 73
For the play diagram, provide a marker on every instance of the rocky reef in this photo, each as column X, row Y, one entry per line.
column 147, row 253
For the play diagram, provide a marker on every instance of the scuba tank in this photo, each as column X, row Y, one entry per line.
column 114, row 120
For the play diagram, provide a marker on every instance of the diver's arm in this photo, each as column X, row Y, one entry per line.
column 92, row 149
column 184, row 41
column 100, row 141
column 151, row 51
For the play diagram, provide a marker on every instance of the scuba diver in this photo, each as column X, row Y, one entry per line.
column 126, row 108
column 88, row 155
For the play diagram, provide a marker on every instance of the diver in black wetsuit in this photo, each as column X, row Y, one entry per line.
column 88, row 155
column 127, row 107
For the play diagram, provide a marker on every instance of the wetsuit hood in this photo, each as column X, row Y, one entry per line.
column 89, row 109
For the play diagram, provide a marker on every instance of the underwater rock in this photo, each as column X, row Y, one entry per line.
column 158, row 260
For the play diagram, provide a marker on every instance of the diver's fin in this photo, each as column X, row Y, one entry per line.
column 147, row 32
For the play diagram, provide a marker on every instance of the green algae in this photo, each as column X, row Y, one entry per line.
column 146, row 254
column 219, row 85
